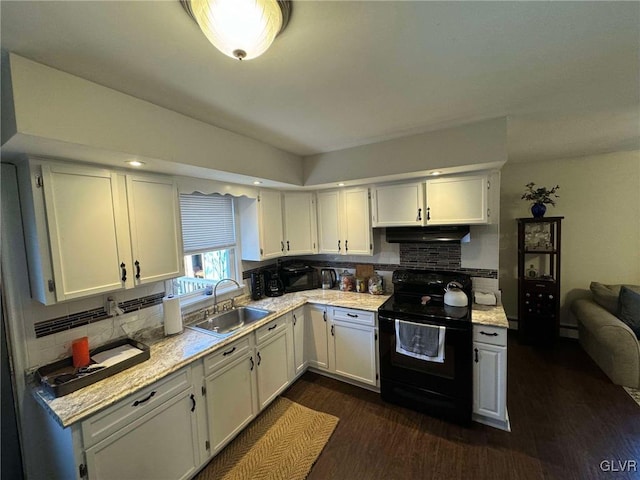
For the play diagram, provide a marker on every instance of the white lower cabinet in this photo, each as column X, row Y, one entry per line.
column 316, row 337
column 151, row 434
column 273, row 360
column 343, row 342
column 230, row 391
column 298, row 324
column 161, row 444
column 352, row 345
column 490, row 376
column 172, row 428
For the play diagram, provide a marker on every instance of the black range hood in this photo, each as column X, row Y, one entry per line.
column 445, row 233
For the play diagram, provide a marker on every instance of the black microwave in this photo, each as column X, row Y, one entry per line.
column 299, row 277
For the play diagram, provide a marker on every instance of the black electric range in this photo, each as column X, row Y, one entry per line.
column 442, row 388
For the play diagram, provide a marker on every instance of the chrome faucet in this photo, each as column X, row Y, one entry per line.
column 215, row 293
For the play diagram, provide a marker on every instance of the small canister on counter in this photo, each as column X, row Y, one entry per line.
column 347, row 282
column 375, row 285
column 360, row 285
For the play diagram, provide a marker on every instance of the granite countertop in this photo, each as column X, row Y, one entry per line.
column 490, row 315
column 169, row 354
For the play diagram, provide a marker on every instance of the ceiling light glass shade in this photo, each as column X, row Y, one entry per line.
column 242, row 29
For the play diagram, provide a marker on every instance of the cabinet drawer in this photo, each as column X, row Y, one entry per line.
column 354, row 316
column 225, row 355
column 492, row 335
column 121, row 414
column 271, row 328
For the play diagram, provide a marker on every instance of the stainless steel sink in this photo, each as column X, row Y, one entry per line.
column 228, row 322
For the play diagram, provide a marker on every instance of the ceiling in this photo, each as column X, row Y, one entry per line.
column 566, row 74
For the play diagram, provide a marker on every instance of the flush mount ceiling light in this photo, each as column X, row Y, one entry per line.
column 241, row 29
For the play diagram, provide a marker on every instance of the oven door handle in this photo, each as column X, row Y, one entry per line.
column 391, row 322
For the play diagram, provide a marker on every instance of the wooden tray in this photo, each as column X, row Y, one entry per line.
column 46, row 375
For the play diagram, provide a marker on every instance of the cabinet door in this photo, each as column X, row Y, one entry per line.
column 354, row 352
column 156, row 232
column 231, row 395
column 83, row 212
column 316, row 337
column 489, row 380
column 270, row 220
column 161, row 444
column 273, row 368
column 398, row 205
column 300, row 223
column 299, row 358
column 329, row 229
column 457, row 200
column 357, row 222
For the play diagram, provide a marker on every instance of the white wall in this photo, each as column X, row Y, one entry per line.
column 59, row 108
column 600, row 200
column 477, row 143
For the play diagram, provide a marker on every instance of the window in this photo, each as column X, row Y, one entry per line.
column 209, row 237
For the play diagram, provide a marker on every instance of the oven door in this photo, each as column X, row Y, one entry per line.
column 426, row 385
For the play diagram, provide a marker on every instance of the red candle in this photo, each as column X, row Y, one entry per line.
column 80, row 348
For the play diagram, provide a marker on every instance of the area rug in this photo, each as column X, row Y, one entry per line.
column 635, row 394
column 283, row 442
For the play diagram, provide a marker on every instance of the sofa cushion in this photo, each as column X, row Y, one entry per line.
column 629, row 309
column 606, row 296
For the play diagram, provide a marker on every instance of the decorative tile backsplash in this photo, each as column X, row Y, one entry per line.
column 424, row 256
column 67, row 322
column 434, row 256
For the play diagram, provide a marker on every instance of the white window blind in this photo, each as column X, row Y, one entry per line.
column 207, row 222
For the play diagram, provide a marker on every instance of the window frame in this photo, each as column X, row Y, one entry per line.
column 227, row 289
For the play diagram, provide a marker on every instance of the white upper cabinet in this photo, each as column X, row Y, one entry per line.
column 329, row 218
column 398, row 205
column 450, row 200
column 83, row 223
column 344, row 222
column 300, row 234
column 458, row 200
column 154, row 219
column 277, row 224
column 261, row 226
column 82, row 209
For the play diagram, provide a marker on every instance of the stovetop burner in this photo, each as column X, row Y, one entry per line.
column 419, row 297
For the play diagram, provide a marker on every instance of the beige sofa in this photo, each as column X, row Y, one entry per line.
column 609, row 341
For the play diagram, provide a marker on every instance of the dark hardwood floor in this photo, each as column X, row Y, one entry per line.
column 566, row 418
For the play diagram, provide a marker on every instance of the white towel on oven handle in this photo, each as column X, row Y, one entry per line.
column 420, row 350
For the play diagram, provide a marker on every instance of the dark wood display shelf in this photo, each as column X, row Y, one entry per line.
column 539, row 298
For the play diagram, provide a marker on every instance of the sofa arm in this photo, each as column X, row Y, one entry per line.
column 609, row 341
column 594, row 317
